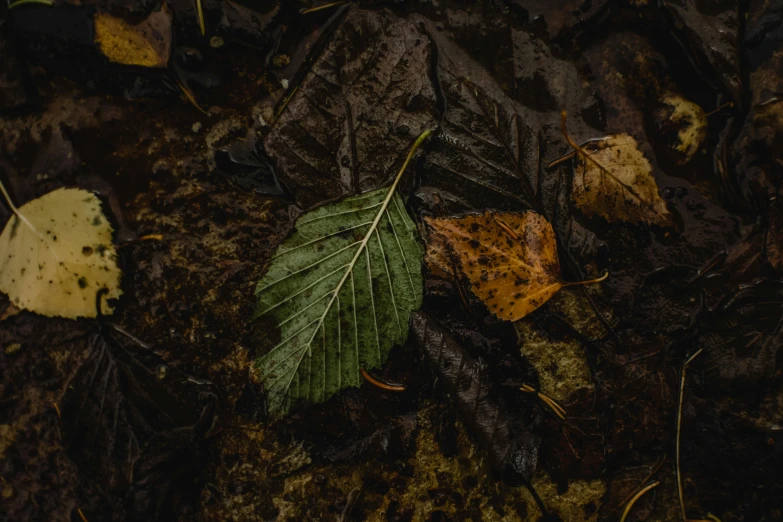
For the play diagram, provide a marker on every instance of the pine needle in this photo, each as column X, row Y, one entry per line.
column 679, row 430
column 201, row 23
column 318, row 8
column 23, row 2
column 378, row 384
column 553, row 404
column 636, row 497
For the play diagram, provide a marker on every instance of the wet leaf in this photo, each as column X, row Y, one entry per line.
column 57, row 254
column 340, row 290
column 712, row 30
column 690, row 123
column 510, row 259
column 363, row 100
column 510, row 442
column 614, row 180
column 147, row 44
column 133, row 430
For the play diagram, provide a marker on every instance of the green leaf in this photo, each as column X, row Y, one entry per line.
column 340, row 290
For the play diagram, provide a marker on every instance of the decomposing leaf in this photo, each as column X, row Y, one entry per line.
column 690, row 122
column 147, row 44
column 510, row 259
column 613, row 179
column 512, row 446
column 57, row 254
column 712, row 30
column 340, row 290
column 132, row 432
column 343, row 128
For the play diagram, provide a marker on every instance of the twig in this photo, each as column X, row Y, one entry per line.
column 679, row 428
column 636, row 497
column 382, row 385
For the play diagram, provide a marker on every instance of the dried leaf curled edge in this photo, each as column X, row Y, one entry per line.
column 510, row 259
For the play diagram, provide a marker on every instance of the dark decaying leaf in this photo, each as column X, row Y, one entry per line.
column 512, row 446
column 561, row 15
column 756, row 152
column 134, row 431
column 365, row 98
column 712, row 31
column 247, row 168
column 744, row 342
column 487, row 147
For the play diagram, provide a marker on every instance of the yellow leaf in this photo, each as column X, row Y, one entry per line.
column 57, row 253
column 510, row 259
column 691, row 123
column 147, row 44
column 613, row 179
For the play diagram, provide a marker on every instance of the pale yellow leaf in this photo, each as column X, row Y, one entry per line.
column 55, row 260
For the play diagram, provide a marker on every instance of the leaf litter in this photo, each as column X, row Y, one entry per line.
column 631, row 373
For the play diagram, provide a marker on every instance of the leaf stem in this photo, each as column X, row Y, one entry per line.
column 579, row 150
column 589, row 281
column 24, row 220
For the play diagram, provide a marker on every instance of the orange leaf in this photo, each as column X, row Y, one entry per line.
column 510, row 259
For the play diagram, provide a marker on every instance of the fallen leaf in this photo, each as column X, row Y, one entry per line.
column 340, row 291
column 712, row 28
column 59, row 255
column 147, row 44
column 343, row 128
column 510, row 259
column 613, row 179
column 500, row 431
column 691, row 124
column 132, row 430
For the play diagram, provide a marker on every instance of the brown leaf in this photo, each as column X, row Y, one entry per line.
column 147, row 44
column 509, row 258
column 615, row 181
